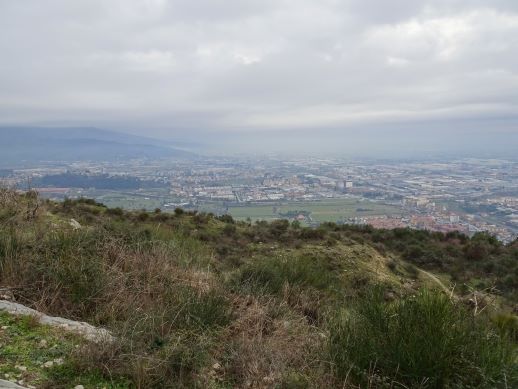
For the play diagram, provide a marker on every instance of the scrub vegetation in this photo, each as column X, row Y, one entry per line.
column 197, row 300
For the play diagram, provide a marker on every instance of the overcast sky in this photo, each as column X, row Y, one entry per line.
column 180, row 67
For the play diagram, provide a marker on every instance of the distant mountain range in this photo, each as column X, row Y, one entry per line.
column 22, row 145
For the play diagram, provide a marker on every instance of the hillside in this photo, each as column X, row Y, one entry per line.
column 20, row 145
column 195, row 300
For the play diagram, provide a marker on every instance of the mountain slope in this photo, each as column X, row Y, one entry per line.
column 20, row 145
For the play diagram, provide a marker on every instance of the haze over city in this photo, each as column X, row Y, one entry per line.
column 370, row 78
column 393, row 114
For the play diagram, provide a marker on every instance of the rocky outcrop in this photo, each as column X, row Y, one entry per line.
column 86, row 330
column 10, row 385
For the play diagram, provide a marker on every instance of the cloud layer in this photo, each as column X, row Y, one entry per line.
column 269, row 65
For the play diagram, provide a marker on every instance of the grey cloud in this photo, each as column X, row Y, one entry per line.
column 214, row 66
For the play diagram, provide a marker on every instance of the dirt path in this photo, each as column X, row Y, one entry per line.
column 435, row 279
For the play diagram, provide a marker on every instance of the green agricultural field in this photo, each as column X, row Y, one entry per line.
column 129, row 200
column 323, row 210
column 333, row 210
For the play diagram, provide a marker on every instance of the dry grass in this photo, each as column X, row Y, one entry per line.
column 164, row 308
column 256, row 318
column 267, row 342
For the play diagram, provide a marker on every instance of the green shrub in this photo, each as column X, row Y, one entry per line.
column 115, row 211
column 421, row 341
column 270, row 274
column 229, row 229
column 508, row 324
column 279, row 227
column 308, row 233
column 226, row 218
column 67, row 266
column 142, row 216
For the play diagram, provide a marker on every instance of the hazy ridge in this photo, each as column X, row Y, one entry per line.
column 19, row 145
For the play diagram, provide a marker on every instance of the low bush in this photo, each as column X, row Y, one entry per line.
column 271, row 274
column 115, row 211
column 421, row 341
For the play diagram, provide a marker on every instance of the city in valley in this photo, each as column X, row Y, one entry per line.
column 467, row 195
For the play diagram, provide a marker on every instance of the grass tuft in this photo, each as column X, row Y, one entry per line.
column 420, row 341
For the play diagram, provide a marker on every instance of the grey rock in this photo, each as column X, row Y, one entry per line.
column 86, row 330
column 75, row 224
column 10, row 385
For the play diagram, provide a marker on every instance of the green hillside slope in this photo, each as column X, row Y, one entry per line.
column 196, row 300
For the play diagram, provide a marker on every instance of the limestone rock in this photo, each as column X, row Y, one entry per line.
column 86, row 330
column 9, row 385
column 75, row 224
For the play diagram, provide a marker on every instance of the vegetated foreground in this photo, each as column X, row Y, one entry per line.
column 196, row 300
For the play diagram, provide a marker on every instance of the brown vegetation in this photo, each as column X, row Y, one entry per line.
column 200, row 301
